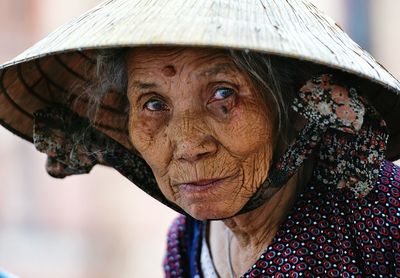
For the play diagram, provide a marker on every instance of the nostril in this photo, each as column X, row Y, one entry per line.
column 191, row 155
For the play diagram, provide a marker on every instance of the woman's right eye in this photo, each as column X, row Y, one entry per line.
column 155, row 105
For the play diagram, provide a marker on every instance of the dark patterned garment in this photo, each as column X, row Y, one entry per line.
column 328, row 233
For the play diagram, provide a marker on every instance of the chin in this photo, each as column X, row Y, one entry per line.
column 204, row 212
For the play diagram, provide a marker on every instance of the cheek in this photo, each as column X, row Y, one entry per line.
column 251, row 129
column 147, row 135
column 143, row 130
column 253, row 145
column 148, row 140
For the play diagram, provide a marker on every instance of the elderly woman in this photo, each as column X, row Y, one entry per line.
column 271, row 142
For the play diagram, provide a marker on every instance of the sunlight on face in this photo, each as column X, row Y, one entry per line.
column 198, row 122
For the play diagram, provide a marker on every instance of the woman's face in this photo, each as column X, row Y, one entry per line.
column 200, row 125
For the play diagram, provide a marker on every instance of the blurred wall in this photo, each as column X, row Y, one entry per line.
column 385, row 33
column 100, row 225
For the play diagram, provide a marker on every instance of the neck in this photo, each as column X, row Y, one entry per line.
column 260, row 225
column 252, row 232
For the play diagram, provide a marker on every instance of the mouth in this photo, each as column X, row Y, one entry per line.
column 201, row 185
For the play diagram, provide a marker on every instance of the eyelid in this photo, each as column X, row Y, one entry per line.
column 222, row 85
column 147, row 96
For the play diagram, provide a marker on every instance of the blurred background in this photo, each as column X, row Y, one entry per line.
column 100, row 225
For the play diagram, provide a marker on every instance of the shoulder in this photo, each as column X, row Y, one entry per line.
column 173, row 260
column 377, row 223
column 177, row 226
column 380, row 208
column 182, row 229
column 385, row 196
column 330, row 230
column 182, row 247
column 386, row 191
column 389, row 174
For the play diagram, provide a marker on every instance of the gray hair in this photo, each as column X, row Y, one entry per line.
column 108, row 74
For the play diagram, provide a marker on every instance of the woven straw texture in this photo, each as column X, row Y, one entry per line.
column 44, row 74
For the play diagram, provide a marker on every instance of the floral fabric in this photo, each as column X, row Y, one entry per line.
column 345, row 132
column 353, row 146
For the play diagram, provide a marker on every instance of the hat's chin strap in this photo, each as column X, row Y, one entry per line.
column 346, row 135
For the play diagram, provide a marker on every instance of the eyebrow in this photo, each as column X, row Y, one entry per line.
column 144, row 85
column 219, row 68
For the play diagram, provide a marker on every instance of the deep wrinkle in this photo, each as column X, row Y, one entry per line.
column 202, row 133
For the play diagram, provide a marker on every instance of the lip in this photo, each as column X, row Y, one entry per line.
column 201, row 185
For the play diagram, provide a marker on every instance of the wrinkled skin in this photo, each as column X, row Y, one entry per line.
column 195, row 116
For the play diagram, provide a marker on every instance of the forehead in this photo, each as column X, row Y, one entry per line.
column 206, row 61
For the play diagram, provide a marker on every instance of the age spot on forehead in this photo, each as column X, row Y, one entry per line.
column 169, row 71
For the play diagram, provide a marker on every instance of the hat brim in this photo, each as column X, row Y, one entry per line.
column 42, row 75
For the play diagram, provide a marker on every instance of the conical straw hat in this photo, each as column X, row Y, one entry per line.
column 43, row 74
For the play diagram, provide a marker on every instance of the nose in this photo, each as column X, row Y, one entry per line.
column 193, row 139
column 193, row 149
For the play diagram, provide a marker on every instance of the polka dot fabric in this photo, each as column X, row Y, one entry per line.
column 328, row 233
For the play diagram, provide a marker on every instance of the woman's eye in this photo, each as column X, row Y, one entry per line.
column 155, row 105
column 223, row 93
column 223, row 101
